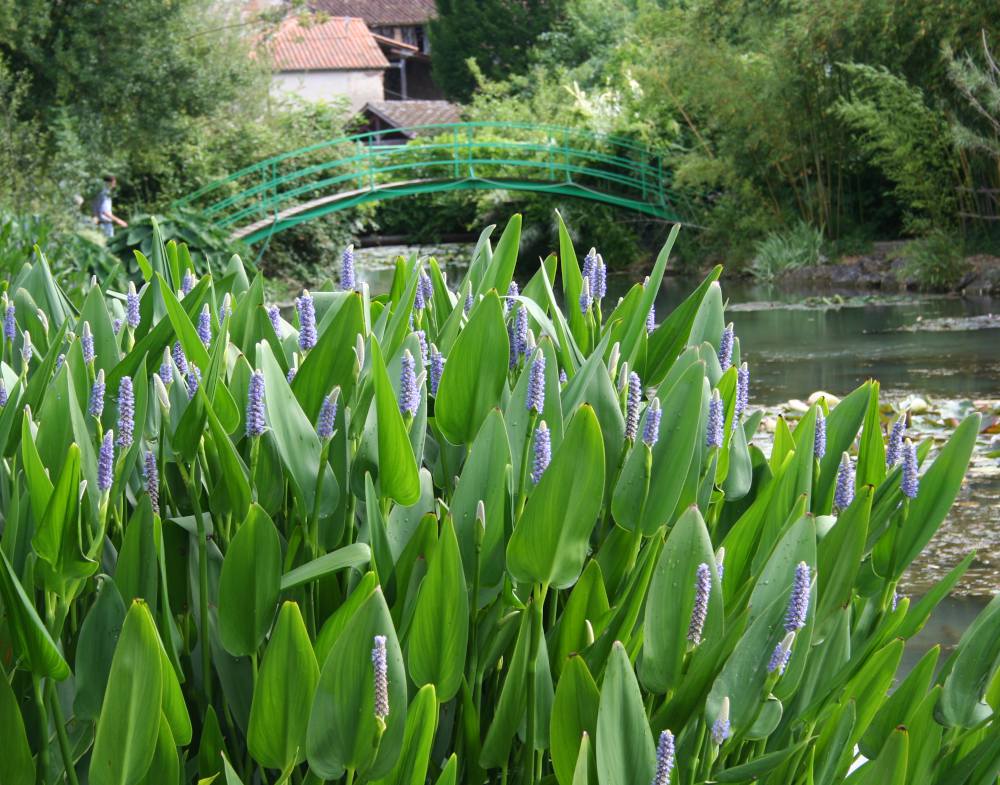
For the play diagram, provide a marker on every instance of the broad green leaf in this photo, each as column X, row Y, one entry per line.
column 129, row 724
column 355, row 555
column 294, row 436
column 841, row 429
column 970, row 669
column 939, row 486
column 16, row 764
column 99, row 632
column 840, row 552
column 165, row 766
column 871, row 453
column 510, row 708
column 574, row 717
column 397, row 467
column 483, row 479
column 249, row 584
column 421, row 724
column 342, row 723
column 474, row 373
column 889, row 768
column 285, row 685
column 32, row 639
column 757, row 767
column 500, row 271
column 549, row 543
column 671, row 600
column 901, row 705
column 437, row 642
column 587, row 604
column 625, row 750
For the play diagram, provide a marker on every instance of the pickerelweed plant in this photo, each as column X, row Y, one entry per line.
column 482, row 540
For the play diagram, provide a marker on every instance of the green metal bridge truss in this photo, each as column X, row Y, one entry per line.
column 288, row 189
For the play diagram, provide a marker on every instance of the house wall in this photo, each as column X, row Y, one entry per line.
column 358, row 87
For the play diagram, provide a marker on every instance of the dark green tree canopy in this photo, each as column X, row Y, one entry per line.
column 497, row 34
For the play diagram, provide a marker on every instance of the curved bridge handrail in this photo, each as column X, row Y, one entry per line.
column 368, row 136
column 641, row 169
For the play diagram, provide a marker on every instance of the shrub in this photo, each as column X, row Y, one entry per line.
column 799, row 246
column 355, row 546
column 936, row 261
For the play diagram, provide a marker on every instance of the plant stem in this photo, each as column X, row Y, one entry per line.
column 206, row 659
column 43, row 727
column 60, row 723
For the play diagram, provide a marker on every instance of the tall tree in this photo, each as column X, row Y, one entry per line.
column 497, row 34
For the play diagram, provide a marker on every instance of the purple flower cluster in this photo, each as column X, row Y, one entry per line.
column 193, row 380
column 180, row 360
column 517, row 334
column 27, row 350
column 844, row 493
column 307, row 321
column 95, row 406
column 205, row 326
column 542, row 452
column 409, row 397
column 781, row 655
column 116, row 326
column 664, row 759
column 651, row 431
column 437, row 369
column 721, row 729
column 380, row 665
column 563, row 378
column 512, row 292
column 819, row 440
column 187, row 282
column 126, row 412
column 87, row 344
column 328, row 415
column 3, row 393
column 585, row 298
column 226, row 309
column 347, row 276
column 894, row 450
column 132, row 316
column 166, row 373
column 275, row 317
column 426, row 288
column 152, row 480
column 742, row 392
column 720, row 563
column 596, row 275
column 632, row 402
column 467, row 306
column 419, row 300
column 255, row 422
column 716, row 418
column 422, row 340
column 910, row 483
column 105, row 462
column 9, row 322
column 535, row 400
column 651, row 319
column 798, row 601
column 702, row 588
column 726, row 347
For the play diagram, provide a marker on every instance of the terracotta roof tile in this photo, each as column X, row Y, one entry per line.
column 381, row 12
column 336, row 44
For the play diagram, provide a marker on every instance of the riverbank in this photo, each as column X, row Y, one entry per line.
column 884, row 267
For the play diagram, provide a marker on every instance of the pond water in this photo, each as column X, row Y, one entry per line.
column 800, row 341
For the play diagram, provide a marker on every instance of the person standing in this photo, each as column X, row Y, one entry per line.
column 106, row 219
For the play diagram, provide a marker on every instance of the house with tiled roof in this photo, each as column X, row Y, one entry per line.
column 400, row 27
column 327, row 58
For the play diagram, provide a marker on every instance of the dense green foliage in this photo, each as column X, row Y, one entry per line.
column 497, row 35
column 79, row 98
column 339, row 547
column 863, row 119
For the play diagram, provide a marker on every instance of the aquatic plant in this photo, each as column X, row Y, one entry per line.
column 285, row 558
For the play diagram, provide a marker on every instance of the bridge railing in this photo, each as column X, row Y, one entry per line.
column 481, row 151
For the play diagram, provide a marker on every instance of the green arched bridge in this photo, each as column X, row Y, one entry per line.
column 288, row 189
